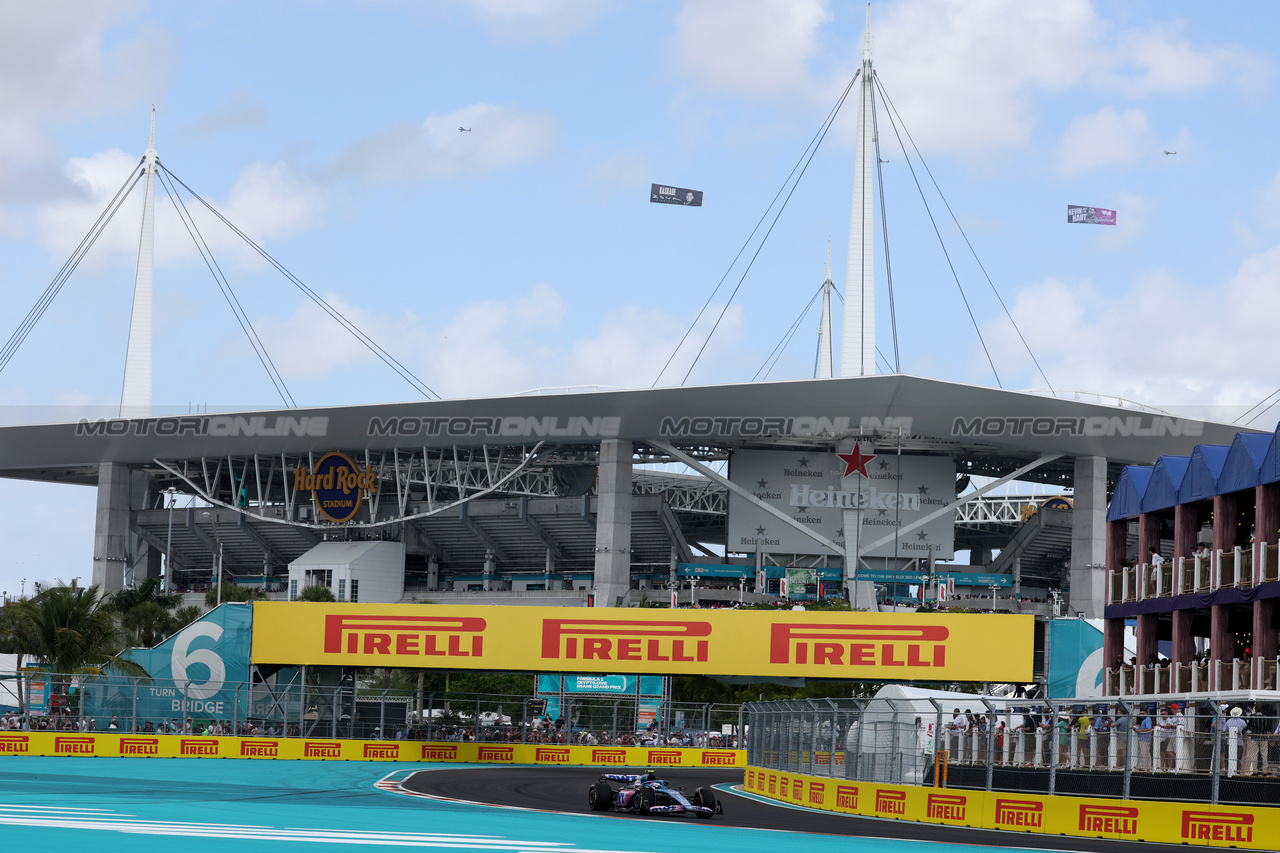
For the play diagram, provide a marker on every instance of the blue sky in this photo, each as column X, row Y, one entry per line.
column 525, row 253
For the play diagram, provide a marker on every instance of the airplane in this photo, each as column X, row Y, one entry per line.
column 1171, row 152
column 468, row 130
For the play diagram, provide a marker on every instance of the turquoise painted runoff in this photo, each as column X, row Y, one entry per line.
column 169, row 804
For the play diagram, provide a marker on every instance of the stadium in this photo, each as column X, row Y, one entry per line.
column 608, row 540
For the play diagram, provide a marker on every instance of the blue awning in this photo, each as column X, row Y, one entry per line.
column 1242, row 468
column 1127, row 500
column 1201, row 480
column 1166, row 479
column 1269, row 470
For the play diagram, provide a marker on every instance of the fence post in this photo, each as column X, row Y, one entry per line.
column 382, row 714
column 133, row 723
column 235, row 711
column 991, row 741
column 741, row 733
column 1128, row 748
column 333, row 710
column 938, row 738
column 476, row 721
column 1054, row 739
column 1218, row 720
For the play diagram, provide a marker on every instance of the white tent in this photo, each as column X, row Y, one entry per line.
column 895, row 741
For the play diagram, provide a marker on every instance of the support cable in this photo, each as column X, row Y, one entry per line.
column 972, row 250
column 888, row 368
column 884, row 233
column 233, row 302
column 1263, row 411
column 68, row 267
column 813, row 150
column 943, row 245
column 813, row 143
column 386, row 357
column 781, row 346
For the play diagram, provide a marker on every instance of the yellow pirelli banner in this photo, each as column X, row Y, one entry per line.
column 114, row 745
column 897, row 646
column 1082, row 817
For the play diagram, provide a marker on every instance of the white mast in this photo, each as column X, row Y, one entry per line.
column 824, row 324
column 858, row 342
column 135, row 400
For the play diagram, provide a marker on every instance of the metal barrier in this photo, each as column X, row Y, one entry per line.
column 347, row 709
column 1124, row 749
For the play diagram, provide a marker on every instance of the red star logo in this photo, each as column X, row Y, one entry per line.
column 856, row 461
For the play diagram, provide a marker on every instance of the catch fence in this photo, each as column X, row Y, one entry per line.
column 1203, row 753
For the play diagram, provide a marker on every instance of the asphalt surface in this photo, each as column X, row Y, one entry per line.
column 564, row 790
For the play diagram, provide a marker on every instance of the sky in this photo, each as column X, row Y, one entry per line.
column 524, row 253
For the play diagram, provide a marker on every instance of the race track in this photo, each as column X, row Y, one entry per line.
column 564, row 790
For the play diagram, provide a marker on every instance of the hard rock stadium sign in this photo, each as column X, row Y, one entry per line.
column 928, row 647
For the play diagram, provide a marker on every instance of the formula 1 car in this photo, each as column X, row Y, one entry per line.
column 643, row 793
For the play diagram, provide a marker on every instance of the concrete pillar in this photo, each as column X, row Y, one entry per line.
column 980, row 557
column 1224, row 522
column 1186, row 524
column 1183, row 643
column 1146, row 637
column 1148, row 536
column 111, row 527
column 1089, row 536
column 489, row 577
column 613, row 524
column 433, row 573
column 1222, row 644
column 1117, row 543
column 1112, row 642
column 1017, row 575
column 1267, row 500
column 1264, row 634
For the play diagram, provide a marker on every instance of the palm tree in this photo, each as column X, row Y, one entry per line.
column 316, row 592
column 73, row 631
column 149, row 623
column 233, row 592
column 15, row 634
column 184, row 616
column 149, row 590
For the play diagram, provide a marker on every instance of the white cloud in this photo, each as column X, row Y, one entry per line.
column 1163, row 341
column 752, row 48
column 1106, row 138
column 1161, row 60
column 267, row 202
column 498, row 138
column 56, row 63
column 967, row 75
column 1133, row 213
column 526, row 19
column 503, row 346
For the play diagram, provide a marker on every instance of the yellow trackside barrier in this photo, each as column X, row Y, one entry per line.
column 1246, row 827
column 114, row 745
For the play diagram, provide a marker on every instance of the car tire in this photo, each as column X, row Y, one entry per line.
column 645, row 799
column 600, row 797
column 706, row 799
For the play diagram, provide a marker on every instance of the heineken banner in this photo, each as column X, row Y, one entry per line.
column 201, row 672
column 880, row 493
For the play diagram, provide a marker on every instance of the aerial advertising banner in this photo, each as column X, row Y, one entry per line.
column 1090, row 215
column 854, row 645
column 663, row 194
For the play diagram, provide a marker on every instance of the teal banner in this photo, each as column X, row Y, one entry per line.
column 609, row 685
column 1075, row 659
column 201, row 672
